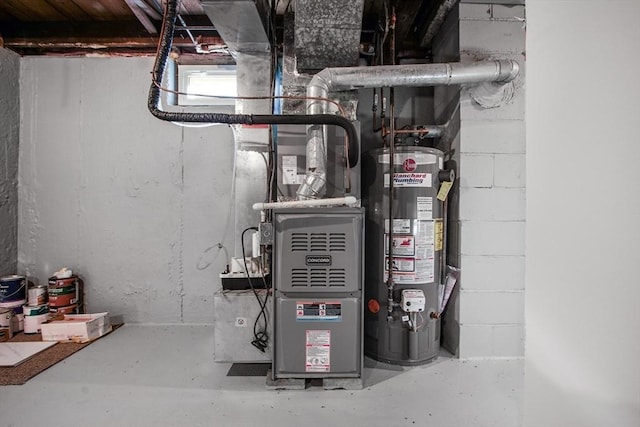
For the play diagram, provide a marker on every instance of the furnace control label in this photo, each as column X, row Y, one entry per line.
column 314, row 311
column 318, row 351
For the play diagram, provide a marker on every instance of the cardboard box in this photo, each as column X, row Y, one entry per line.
column 77, row 328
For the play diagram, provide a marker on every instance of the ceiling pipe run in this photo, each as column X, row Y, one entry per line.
column 436, row 22
column 413, row 75
column 159, row 66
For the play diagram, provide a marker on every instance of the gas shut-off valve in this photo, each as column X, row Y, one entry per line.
column 413, row 300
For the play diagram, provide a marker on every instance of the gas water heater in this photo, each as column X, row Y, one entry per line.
column 404, row 253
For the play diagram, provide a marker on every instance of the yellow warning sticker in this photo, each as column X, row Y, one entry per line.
column 438, row 234
column 445, row 187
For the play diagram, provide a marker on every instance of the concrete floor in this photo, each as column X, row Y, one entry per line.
column 165, row 376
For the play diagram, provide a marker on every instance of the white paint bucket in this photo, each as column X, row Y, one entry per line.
column 32, row 323
column 37, row 295
column 5, row 317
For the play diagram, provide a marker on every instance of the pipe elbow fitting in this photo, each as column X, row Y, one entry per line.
column 507, row 70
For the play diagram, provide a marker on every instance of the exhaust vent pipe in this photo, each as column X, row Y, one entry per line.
column 414, row 75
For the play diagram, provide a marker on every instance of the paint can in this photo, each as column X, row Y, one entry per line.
column 6, row 314
column 15, row 316
column 34, row 317
column 17, row 322
column 37, row 295
column 35, row 310
column 70, row 309
column 12, row 290
column 63, row 292
column 5, row 334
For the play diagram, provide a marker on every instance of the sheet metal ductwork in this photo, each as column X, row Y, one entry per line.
column 327, row 33
column 414, row 75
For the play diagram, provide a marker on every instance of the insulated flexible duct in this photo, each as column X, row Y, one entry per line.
column 248, row 119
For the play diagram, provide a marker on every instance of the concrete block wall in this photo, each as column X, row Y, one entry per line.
column 133, row 204
column 9, row 143
column 492, row 193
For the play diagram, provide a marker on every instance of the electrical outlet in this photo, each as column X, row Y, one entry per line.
column 266, row 233
column 241, row 322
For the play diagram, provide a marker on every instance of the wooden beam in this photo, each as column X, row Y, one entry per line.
column 149, row 9
column 142, row 16
column 100, row 43
column 71, row 10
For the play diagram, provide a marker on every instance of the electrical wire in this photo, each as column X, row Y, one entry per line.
column 422, row 321
column 342, row 111
column 221, row 244
column 260, row 337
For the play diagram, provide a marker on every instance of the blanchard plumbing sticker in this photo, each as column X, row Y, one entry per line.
column 409, row 179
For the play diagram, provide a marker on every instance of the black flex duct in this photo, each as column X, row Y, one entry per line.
column 245, row 119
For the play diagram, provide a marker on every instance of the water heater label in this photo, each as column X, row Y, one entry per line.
column 425, row 208
column 425, row 257
column 402, row 245
column 318, row 350
column 401, row 264
column 439, row 235
column 400, row 226
column 315, row 311
column 409, row 180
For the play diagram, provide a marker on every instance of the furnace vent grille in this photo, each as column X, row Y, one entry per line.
column 318, row 277
column 318, row 242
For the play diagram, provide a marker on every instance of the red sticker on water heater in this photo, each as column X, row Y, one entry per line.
column 409, row 165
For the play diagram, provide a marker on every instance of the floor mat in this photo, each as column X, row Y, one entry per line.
column 20, row 374
column 248, row 370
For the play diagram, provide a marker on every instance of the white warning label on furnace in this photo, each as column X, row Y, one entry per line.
column 425, row 208
column 400, row 226
column 409, row 179
column 318, row 350
column 289, row 170
column 314, row 311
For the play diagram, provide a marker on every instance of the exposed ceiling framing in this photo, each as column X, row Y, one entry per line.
column 131, row 27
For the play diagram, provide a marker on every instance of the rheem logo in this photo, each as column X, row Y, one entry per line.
column 409, row 165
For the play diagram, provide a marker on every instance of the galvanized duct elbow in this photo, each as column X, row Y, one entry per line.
column 414, row 75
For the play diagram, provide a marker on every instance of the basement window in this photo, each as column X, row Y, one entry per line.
column 212, row 80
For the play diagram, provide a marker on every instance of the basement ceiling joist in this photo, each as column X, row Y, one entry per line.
column 76, row 27
column 131, row 27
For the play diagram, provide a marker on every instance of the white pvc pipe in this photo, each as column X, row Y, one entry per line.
column 337, row 201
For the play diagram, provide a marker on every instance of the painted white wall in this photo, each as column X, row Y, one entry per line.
column 128, row 201
column 582, row 352
column 9, row 139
